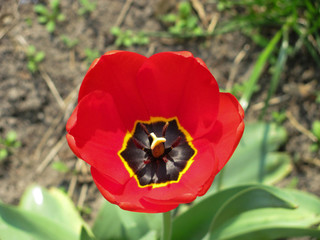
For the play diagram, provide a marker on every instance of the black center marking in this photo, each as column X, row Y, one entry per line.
column 160, row 169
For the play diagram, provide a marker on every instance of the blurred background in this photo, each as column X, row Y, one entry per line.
column 267, row 53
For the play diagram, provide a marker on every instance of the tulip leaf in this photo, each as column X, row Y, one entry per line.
column 27, row 225
column 270, row 223
column 123, row 224
column 254, row 160
column 152, row 235
column 194, row 223
column 54, row 205
column 249, row 199
column 85, row 235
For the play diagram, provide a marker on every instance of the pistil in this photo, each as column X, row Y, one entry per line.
column 157, row 145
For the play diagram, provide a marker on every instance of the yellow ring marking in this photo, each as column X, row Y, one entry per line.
column 153, row 120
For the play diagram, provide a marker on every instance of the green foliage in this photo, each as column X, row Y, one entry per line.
column 70, row 43
column 91, row 55
column 294, row 25
column 257, row 70
column 86, row 7
column 250, row 212
column 42, row 214
column 34, row 58
column 49, row 16
column 279, row 117
column 316, row 132
column 238, row 89
column 128, row 38
column 60, row 167
column 243, row 212
column 124, row 224
column 184, row 22
column 8, row 144
column 318, row 97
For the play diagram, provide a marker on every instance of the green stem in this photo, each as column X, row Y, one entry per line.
column 167, row 226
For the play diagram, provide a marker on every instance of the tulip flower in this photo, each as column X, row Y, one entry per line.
column 156, row 131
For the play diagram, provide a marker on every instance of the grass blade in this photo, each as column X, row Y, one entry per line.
column 281, row 61
column 257, row 70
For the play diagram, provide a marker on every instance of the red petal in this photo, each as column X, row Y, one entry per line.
column 115, row 73
column 131, row 200
column 176, row 84
column 228, row 128
column 96, row 134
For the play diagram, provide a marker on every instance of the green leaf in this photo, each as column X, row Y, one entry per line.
column 32, row 66
column 316, row 129
column 184, row 9
column 39, row 57
column 54, row 4
column 3, row 154
column 60, row 167
column 43, row 19
column 84, row 235
column 171, row 18
column 152, row 235
column 249, row 199
column 61, row 17
column 31, row 50
column 28, row 225
column 194, row 223
column 51, row 25
column 123, row 224
column 274, row 223
column 257, row 70
column 54, row 205
column 115, row 31
column 267, row 224
column 11, row 137
column 255, row 158
column 279, row 66
column 41, row 9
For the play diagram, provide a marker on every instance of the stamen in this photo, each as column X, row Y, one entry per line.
column 138, row 144
column 145, row 129
column 164, row 129
column 176, row 142
column 147, row 161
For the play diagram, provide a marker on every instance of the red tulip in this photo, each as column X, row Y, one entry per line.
column 155, row 131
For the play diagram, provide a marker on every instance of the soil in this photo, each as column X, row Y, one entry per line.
column 37, row 105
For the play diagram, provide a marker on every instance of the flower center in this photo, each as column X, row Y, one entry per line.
column 157, row 152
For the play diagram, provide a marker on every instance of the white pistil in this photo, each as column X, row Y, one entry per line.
column 156, row 141
column 157, row 146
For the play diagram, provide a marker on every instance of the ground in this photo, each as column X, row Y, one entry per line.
column 37, row 105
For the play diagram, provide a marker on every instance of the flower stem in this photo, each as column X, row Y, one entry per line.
column 167, row 226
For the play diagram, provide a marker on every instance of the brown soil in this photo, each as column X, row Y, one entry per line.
column 31, row 107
